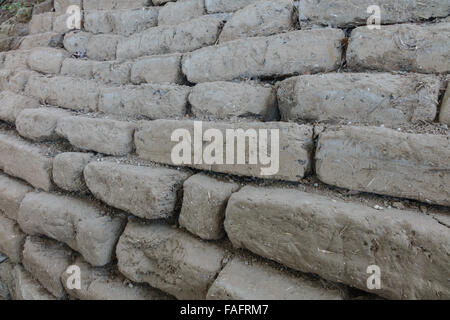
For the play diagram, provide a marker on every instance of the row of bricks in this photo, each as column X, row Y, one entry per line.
column 96, row 237
column 373, row 166
column 256, row 18
column 294, row 228
column 379, row 98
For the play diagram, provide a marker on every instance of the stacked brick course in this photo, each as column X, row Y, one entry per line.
column 88, row 179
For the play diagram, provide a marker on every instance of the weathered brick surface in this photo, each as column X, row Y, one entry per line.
column 339, row 240
column 14, row 80
column 46, row 260
column 108, row 72
column 155, row 190
column 262, row 18
column 6, row 280
column 78, row 68
column 204, row 202
column 139, row 79
column 11, row 239
column 153, row 142
column 150, row 100
column 68, row 170
column 158, row 69
column 41, row 23
column 12, row 191
column 77, row 41
column 305, row 51
column 19, row 79
column 252, row 280
column 16, row 59
column 404, row 47
column 114, row 4
column 79, row 223
column 23, row 160
column 444, row 114
column 100, row 135
column 25, row 287
column 122, row 22
column 147, row 252
column 38, row 40
column 183, row 37
column 224, row 100
column 376, row 98
column 214, row 6
column 65, row 92
column 347, row 13
column 181, row 11
column 46, row 60
column 39, row 124
column 385, row 161
column 131, row 21
column 103, row 46
column 12, row 104
column 105, row 284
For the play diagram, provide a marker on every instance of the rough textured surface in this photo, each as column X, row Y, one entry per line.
column 262, row 18
column 375, row 98
column 224, row 100
column 155, row 190
column 11, row 239
column 6, row 280
column 103, row 47
column 180, row 11
column 122, row 22
column 338, row 240
column 444, row 115
column 13, row 104
column 114, row 4
column 78, row 223
column 68, row 170
column 152, row 100
column 183, row 37
column 107, row 284
column 385, row 161
column 46, row 60
column 242, row 280
column 12, row 192
column 284, row 54
column 266, row 93
column 158, row 69
column 346, row 13
column 153, row 142
column 204, row 203
column 213, row 6
column 27, row 288
column 405, row 47
column 107, row 72
column 100, row 135
column 168, row 259
column 26, row 161
column 39, row 124
column 46, row 260
column 65, row 92
column 77, row 41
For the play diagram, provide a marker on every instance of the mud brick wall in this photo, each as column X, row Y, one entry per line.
column 87, row 178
